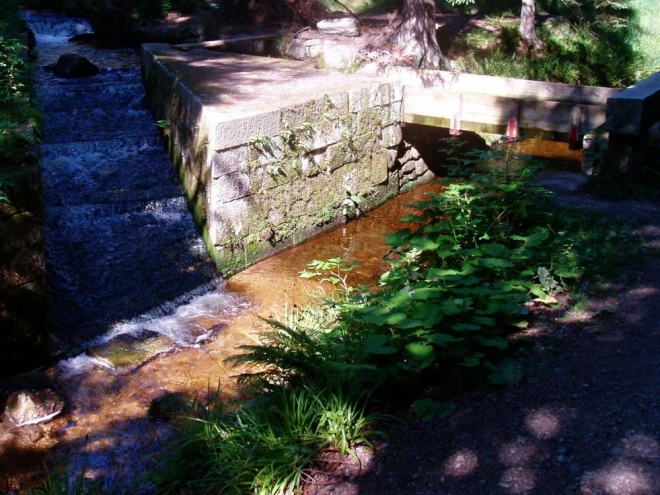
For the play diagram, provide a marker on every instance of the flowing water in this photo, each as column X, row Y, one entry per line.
column 127, row 268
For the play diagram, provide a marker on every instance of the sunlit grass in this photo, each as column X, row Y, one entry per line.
column 648, row 42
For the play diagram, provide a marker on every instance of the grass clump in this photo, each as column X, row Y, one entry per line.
column 587, row 42
column 268, row 446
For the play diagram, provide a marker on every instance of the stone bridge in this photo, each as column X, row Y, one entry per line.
column 271, row 151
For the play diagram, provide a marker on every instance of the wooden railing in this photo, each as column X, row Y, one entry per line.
column 511, row 107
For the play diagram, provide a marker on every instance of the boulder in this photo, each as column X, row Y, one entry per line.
column 296, row 50
column 25, row 407
column 172, row 405
column 72, row 65
column 342, row 26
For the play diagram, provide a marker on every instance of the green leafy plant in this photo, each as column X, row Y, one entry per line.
column 282, row 154
column 19, row 117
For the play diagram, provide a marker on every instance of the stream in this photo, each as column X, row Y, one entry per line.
column 128, row 274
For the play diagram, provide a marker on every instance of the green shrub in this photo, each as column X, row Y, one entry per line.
column 19, row 117
column 458, row 280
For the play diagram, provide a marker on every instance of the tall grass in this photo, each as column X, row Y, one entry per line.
column 268, row 447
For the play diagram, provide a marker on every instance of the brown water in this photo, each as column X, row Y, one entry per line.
column 109, row 420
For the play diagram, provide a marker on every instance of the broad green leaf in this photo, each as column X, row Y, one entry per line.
column 496, row 263
column 426, row 293
column 455, row 306
column 424, row 244
column 435, row 273
column 496, row 250
column 420, row 351
column 564, row 272
column 484, row 320
column 473, row 359
column 510, row 286
column 378, row 344
column 442, row 339
column 537, row 291
column 428, row 315
column 506, row 373
column 399, row 238
column 508, row 187
column 465, row 327
column 397, row 319
column 531, row 240
column 498, row 342
column 444, row 253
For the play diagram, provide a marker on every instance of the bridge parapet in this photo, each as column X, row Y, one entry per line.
column 499, row 105
column 631, row 114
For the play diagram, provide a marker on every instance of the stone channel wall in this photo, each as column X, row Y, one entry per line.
column 261, row 180
column 23, row 330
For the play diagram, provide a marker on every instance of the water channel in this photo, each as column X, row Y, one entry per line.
column 124, row 259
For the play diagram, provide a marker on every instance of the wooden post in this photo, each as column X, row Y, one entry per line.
column 513, row 124
column 574, row 141
column 456, row 109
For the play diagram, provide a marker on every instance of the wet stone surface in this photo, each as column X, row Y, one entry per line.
column 124, row 353
column 26, row 407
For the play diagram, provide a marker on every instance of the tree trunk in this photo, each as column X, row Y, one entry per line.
column 527, row 26
column 416, row 35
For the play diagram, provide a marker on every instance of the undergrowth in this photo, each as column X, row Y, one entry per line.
column 593, row 42
column 19, row 117
column 462, row 271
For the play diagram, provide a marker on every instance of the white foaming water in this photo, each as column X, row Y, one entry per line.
column 78, row 365
column 188, row 326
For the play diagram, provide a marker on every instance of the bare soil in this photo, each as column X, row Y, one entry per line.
column 586, row 418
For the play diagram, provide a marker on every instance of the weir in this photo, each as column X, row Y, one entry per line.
column 499, row 105
column 270, row 152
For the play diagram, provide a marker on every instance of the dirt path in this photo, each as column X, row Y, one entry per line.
column 586, row 419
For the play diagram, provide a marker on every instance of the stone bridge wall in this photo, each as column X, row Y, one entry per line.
column 261, row 181
column 633, row 123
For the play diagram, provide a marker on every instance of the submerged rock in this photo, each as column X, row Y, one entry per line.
column 171, row 406
column 128, row 351
column 72, row 65
column 26, row 407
